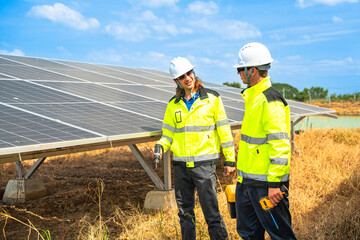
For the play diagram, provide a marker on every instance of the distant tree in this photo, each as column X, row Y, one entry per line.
column 318, row 93
column 286, row 90
column 333, row 97
column 303, row 95
column 346, row 97
column 233, row 84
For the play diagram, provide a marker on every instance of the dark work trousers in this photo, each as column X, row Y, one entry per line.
column 202, row 178
column 252, row 220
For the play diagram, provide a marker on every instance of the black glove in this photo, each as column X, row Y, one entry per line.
column 157, row 155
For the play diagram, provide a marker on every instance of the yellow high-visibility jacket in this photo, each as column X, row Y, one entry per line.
column 264, row 148
column 195, row 136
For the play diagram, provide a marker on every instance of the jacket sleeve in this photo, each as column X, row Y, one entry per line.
column 224, row 132
column 277, row 130
column 168, row 128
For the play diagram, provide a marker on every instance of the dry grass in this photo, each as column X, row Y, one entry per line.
column 325, row 185
column 324, row 196
column 146, row 224
column 342, row 108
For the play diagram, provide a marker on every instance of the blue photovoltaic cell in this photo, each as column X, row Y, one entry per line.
column 97, row 117
column 21, row 71
column 4, row 77
column 148, row 91
column 17, row 91
column 19, row 128
column 100, row 93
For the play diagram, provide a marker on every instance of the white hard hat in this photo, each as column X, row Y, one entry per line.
column 254, row 55
column 179, row 66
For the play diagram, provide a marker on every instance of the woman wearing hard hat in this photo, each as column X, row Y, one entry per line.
column 194, row 127
column 264, row 151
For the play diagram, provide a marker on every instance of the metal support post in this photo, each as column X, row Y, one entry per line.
column 149, row 170
column 292, row 136
column 34, row 167
column 20, row 169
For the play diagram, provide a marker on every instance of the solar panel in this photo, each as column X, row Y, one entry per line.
column 19, row 127
column 50, row 104
column 19, row 91
column 96, row 92
column 21, row 71
column 4, row 77
column 151, row 92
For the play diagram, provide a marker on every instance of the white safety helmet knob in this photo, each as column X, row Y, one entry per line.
column 179, row 66
column 254, row 54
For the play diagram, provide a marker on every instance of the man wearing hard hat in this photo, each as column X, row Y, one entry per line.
column 194, row 127
column 264, row 150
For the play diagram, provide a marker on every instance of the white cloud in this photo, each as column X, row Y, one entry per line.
column 59, row 13
column 336, row 63
column 337, row 19
column 106, row 57
column 148, row 16
column 228, row 29
column 213, row 62
column 154, row 3
column 308, row 3
column 240, row 30
column 154, row 60
column 146, row 25
column 293, row 58
column 309, row 34
column 64, row 51
column 15, row 52
column 134, row 32
column 156, row 55
column 206, row 8
column 198, row 61
column 161, row 26
column 277, row 36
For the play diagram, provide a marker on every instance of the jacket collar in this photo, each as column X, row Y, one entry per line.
column 202, row 94
column 253, row 91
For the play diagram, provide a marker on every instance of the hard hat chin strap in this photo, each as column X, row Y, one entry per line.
column 248, row 76
column 192, row 93
column 179, row 85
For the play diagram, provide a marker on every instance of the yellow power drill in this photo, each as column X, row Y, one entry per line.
column 267, row 205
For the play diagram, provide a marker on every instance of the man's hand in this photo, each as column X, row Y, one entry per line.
column 228, row 170
column 275, row 196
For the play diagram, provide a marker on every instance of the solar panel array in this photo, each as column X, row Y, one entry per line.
column 46, row 101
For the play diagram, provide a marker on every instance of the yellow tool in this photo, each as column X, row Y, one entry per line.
column 230, row 196
column 267, row 205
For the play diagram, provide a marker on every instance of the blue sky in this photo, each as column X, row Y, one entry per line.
column 313, row 42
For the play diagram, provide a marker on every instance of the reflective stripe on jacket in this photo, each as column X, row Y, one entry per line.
column 264, row 148
column 195, row 136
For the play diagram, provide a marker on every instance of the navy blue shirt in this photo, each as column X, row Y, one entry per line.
column 191, row 100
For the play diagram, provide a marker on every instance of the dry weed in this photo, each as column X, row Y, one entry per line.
column 325, row 187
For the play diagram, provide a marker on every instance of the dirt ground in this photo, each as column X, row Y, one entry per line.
column 71, row 182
